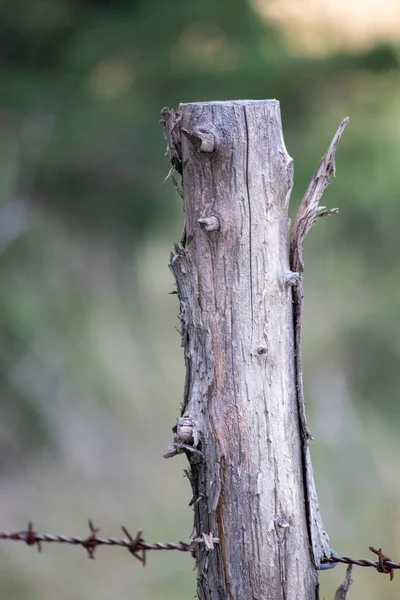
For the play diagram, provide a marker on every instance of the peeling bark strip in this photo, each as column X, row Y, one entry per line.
column 240, row 425
column 343, row 590
column 309, row 212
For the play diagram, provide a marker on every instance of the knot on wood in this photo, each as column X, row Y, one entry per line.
column 186, row 438
column 202, row 138
column 291, row 278
column 184, row 429
column 209, row 223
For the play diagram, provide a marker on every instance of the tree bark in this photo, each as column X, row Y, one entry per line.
column 239, row 423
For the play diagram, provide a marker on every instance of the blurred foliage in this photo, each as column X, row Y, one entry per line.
column 90, row 366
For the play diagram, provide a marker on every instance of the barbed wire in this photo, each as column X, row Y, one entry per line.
column 384, row 564
column 138, row 546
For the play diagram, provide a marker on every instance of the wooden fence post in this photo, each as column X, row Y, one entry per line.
column 240, row 422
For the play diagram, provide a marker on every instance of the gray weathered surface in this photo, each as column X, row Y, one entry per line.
column 233, row 281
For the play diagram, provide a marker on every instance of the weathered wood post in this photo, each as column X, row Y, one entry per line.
column 240, row 423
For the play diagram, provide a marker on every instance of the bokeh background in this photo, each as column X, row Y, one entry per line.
column 91, row 369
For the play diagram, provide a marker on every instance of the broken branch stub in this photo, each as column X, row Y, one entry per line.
column 309, row 210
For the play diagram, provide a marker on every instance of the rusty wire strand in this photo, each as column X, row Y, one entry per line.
column 384, row 564
column 138, row 547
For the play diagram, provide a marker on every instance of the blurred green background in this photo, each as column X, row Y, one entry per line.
column 91, row 369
